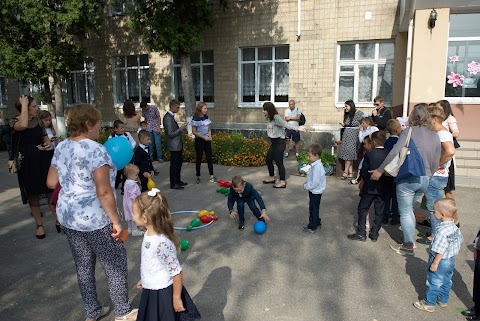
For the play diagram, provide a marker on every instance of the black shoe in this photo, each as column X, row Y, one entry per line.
column 241, row 225
column 42, row 236
column 306, row 229
column 356, row 237
column 395, row 221
column 458, row 224
column 183, row 183
column 425, row 223
column 374, row 239
column 470, row 312
column 58, row 227
column 176, row 186
column 424, row 241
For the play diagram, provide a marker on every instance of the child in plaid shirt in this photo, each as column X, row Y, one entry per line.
column 445, row 245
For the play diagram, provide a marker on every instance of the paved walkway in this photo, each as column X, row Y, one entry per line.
column 238, row 275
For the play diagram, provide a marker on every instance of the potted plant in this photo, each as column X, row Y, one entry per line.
column 327, row 159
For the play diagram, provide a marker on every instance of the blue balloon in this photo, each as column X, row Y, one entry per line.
column 120, row 150
column 260, row 227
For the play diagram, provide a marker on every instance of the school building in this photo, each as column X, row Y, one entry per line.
column 318, row 52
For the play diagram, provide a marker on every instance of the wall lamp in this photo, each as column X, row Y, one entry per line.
column 432, row 19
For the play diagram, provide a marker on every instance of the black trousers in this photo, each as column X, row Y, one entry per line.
column 176, row 160
column 275, row 153
column 253, row 207
column 476, row 284
column 120, row 178
column 201, row 146
column 363, row 206
column 314, row 220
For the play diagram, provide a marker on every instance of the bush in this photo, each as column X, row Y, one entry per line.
column 326, row 158
column 228, row 149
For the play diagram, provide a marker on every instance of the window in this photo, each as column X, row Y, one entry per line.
column 463, row 58
column 263, row 76
column 202, row 72
column 80, row 85
column 131, row 79
column 37, row 91
column 3, row 92
column 120, row 7
column 364, row 70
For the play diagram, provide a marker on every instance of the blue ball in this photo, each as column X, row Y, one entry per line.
column 120, row 150
column 259, row 227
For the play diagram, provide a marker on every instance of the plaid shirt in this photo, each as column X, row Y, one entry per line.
column 447, row 240
column 151, row 116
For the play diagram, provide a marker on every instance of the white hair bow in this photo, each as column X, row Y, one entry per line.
column 153, row 192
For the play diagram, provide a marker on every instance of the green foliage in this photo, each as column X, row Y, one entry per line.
column 228, row 149
column 326, row 158
column 171, row 27
column 41, row 38
column 104, row 134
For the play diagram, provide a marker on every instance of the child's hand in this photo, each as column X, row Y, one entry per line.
column 233, row 214
column 302, row 129
column 178, row 305
column 265, row 216
column 434, row 267
column 139, row 284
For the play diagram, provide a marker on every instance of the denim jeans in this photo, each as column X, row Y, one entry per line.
column 314, row 220
column 435, row 192
column 439, row 283
column 408, row 191
column 157, row 139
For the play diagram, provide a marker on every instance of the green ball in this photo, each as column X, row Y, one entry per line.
column 184, row 244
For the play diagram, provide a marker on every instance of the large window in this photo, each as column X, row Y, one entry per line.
column 202, row 72
column 3, row 92
column 463, row 58
column 120, row 7
column 37, row 91
column 364, row 70
column 80, row 84
column 131, row 79
column 263, row 75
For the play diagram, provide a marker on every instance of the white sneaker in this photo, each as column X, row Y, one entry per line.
column 296, row 154
column 285, row 155
column 137, row 233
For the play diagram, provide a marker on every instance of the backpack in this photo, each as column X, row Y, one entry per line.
column 302, row 120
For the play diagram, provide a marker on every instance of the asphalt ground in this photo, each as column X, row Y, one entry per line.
column 284, row 274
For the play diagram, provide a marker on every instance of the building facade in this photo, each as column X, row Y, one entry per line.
column 318, row 52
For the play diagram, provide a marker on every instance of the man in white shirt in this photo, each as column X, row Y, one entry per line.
column 292, row 115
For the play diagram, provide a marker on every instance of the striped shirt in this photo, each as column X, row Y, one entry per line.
column 447, row 240
column 276, row 127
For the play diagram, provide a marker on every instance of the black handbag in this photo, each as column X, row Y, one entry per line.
column 455, row 143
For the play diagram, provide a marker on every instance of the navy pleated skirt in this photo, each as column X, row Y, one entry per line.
column 157, row 305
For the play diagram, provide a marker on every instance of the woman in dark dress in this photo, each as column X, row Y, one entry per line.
column 30, row 142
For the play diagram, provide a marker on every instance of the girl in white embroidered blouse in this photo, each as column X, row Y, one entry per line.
column 164, row 297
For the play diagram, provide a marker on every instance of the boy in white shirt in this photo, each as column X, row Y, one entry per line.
column 315, row 185
column 119, row 131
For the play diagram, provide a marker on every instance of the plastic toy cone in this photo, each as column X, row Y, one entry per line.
column 150, row 184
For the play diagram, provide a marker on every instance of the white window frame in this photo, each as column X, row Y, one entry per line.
column 86, row 71
column 356, row 74
column 3, row 92
column 31, row 89
column 200, row 65
column 458, row 100
column 139, row 67
column 258, row 103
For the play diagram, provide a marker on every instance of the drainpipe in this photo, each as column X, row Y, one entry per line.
column 408, row 63
column 299, row 18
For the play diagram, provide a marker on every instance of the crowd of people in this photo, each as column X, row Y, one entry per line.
column 84, row 178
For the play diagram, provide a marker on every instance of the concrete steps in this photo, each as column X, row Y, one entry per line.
column 467, row 158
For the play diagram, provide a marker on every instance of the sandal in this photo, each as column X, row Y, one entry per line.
column 42, row 236
column 344, row 176
column 269, row 182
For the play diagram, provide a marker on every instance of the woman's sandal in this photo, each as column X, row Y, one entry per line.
column 344, row 176
column 40, row 237
column 58, row 226
column 269, row 182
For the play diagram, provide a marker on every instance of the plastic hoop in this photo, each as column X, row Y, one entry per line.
column 193, row 228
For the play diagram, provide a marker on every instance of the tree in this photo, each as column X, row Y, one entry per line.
column 43, row 39
column 175, row 28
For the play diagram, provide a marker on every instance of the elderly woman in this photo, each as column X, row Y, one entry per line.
column 87, row 210
column 410, row 188
column 30, row 142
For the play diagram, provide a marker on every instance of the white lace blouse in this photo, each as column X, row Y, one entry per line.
column 159, row 262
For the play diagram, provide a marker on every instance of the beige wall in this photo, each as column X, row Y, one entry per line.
column 429, row 57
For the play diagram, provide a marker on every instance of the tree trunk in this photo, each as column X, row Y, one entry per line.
column 57, row 90
column 187, row 84
column 48, row 97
